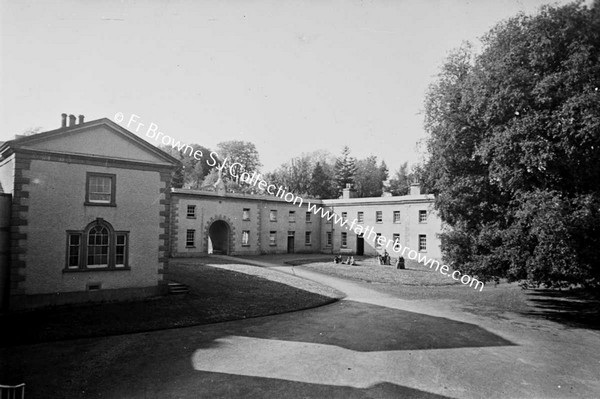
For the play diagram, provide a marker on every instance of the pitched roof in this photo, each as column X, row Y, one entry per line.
column 39, row 140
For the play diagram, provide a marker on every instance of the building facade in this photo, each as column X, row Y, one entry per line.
column 89, row 218
column 87, row 214
column 237, row 224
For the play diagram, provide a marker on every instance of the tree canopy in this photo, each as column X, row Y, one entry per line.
column 193, row 171
column 400, row 182
column 369, row 178
column 309, row 174
column 514, row 150
column 345, row 170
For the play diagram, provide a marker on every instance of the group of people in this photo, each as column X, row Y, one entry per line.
column 385, row 259
column 349, row 260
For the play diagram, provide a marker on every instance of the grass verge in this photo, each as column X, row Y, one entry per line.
column 216, row 295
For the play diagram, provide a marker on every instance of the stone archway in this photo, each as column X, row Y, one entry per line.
column 219, row 236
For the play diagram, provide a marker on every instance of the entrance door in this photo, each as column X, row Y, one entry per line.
column 360, row 245
column 218, row 235
column 291, row 237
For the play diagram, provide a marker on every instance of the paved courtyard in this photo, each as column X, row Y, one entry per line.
column 369, row 344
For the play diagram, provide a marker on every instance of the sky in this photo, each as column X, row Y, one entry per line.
column 288, row 76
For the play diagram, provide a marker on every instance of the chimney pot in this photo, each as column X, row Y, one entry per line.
column 81, row 119
column 72, row 120
column 64, row 120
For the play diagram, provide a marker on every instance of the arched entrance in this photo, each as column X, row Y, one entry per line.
column 218, row 238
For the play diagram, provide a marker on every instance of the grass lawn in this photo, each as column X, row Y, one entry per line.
column 417, row 282
column 215, row 295
column 368, row 270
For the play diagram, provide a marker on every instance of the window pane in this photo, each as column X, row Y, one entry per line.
column 98, row 247
column 121, row 250
column 190, row 238
column 191, row 211
column 74, row 247
column 100, row 189
column 422, row 242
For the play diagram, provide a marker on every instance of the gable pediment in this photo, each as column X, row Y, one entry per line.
column 101, row 138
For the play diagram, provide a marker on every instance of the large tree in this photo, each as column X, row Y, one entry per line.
column 370, row 178
column 237, row 151
column 298, row 175
column 514, row 150
column 193, row 171
column 345, row 170
column 321, row 183
column 400, row 183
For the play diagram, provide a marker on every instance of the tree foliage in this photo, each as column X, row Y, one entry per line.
column 345, row 170
column 514, row 150
column 193, row 171
column 400, row 182
column 307, row 175
column 321, row 183
column 369, row 178
column 238, row 151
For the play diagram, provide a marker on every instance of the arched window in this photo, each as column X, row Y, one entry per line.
column 98, row 246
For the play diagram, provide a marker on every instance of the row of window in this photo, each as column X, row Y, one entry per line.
column 395, row 237
column 360, row 216
column 190, row 238
column 191, row 213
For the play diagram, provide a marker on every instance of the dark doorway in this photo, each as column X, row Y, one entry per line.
column 360, row 245
column 291, row 239
column 218, row 238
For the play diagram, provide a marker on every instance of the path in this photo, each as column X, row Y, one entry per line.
column 367, row 345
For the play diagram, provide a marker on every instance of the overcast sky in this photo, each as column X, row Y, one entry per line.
column 289, row 76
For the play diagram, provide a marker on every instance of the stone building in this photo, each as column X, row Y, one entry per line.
column 87, row 214
column 238, row 224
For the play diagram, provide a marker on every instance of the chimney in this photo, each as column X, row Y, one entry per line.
column 72, row 120
column 81, row 119
column 415, row 188
column 64, row 120
column 348, row 192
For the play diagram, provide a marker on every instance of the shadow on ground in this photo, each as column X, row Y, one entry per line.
column 223, row 385
column 574, row 308
column 364, row 327
column 160, row 364
column 216, row 295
